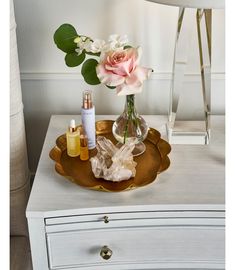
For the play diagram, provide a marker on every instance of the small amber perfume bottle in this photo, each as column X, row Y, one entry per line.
column 84, row 154
column 73, row 140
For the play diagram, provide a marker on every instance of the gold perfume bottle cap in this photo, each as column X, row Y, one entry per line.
column 87, row 100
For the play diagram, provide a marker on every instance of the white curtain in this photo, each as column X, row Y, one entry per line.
column 19, row 173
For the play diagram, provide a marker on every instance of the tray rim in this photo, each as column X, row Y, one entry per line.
column 164, row 157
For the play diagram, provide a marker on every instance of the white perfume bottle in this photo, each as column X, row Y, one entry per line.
column 88, row 118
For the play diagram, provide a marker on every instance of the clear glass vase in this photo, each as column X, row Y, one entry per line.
column 131, row 125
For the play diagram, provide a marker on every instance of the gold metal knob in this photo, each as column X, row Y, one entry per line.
column 106, row 253
column 106, row 219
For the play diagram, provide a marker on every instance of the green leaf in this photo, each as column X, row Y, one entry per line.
column 64, row 38
column 89, row 72
column 127, row 47
column 110, row 87
column 74, row 60
column 94, row 54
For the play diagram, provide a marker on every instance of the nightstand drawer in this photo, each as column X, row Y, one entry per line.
column 138, row 245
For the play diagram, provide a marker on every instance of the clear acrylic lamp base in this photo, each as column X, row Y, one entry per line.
column 191, row 132
column 188, row 132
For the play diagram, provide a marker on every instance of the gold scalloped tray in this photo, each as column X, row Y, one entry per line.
column 152, row 162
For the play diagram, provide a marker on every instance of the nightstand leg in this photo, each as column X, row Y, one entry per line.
column 37, row 237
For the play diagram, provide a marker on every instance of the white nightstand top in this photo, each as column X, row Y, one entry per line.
column 194, row 181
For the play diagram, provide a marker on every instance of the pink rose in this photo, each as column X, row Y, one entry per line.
column 120, row 68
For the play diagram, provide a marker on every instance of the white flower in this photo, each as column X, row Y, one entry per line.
column 116, row 41
column 78, row 50
column 87, row 45
column 83, row 43
column 97, row 45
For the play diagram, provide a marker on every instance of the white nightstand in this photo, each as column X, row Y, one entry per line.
column 177, row 222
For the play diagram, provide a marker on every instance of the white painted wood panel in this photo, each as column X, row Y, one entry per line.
column 128, row 223
column 134, row 215
column 153, row 26
column 38, row 244
column 137, row 245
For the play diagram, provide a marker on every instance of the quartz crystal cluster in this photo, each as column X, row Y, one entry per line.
column 112, row 163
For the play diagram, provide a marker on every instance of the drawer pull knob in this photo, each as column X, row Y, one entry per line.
column 106, row 253
column 106, row 219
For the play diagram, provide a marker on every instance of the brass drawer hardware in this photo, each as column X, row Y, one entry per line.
column 106, row 219
column 106, row 253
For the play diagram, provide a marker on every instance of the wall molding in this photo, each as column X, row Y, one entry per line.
column 34, row 76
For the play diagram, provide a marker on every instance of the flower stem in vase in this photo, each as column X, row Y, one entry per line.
column 130, row 125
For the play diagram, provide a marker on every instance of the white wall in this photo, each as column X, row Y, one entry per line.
column 49, row 87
